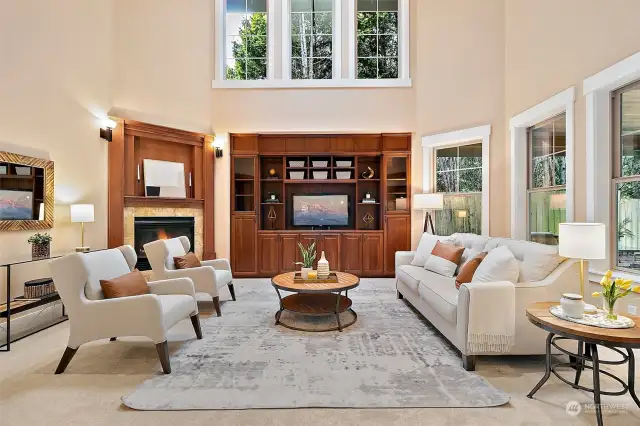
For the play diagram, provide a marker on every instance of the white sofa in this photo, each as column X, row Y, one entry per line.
column 92, row 317
column 447, row 308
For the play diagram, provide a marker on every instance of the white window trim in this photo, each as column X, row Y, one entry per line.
column 456, row 138
column 285, row 82
column 562, row 102
column 597, row 90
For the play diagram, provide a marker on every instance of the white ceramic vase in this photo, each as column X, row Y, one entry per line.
column 304, row 273
column 323, row 267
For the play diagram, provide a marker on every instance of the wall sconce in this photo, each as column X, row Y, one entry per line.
column 217, row 145
column 106, row 132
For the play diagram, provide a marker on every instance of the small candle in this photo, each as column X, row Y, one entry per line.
column 313, row 275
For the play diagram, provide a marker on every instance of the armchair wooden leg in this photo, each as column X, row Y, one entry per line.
column 163, row 354
column 216, row 304
column 232, row 291
column 66, row 359
column 469, row 362
column 195, row 320
column 113, row 339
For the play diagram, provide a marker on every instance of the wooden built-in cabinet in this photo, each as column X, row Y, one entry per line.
column 264, row 238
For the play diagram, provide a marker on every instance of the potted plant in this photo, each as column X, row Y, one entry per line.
column 308, row 256
column 614, row 289
column 40, row 246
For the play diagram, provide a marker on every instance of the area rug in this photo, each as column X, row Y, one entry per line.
column 390, row 357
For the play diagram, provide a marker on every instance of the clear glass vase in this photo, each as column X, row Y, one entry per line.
column 609, row 308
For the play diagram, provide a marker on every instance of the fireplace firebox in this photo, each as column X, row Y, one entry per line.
column 147, row 229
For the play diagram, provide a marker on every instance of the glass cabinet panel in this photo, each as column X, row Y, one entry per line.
column 243, row 184
column 396, row 189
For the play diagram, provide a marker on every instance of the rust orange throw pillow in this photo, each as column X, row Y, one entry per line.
column 131, row 284
column 189, row 260
column 469, row 268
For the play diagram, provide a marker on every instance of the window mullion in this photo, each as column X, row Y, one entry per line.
column 271, row 43
column 336, row 40
column 286, row 38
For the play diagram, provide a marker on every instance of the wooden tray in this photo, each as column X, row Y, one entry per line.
column 333, row 279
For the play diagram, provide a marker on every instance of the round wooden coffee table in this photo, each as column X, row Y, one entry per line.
column 588, row 338
column 316, row 299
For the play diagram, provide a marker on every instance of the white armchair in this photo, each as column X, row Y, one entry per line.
column 92, row 317
column 208, row 278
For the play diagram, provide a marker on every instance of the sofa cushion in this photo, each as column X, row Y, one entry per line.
column 175, row 307
column 131, row 284
column 536, row 261
column 469, row 269
column 444, row 259
column 102, row 265
column 411, row 275
column 498, row 265
column 425, row 246
column 470, row 241
column 440, row 293
column 189, row 260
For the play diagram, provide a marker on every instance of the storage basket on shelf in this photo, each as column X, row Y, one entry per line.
column 320, row 163
column 296, row 163
column 296, row 175
column 320, row 174
column 40, row 287
column 343, row 163
column 343, row 175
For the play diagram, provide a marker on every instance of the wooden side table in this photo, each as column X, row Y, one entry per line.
column 588, row 338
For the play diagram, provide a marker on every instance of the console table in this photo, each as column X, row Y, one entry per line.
column 25, row 304
column 588, row 338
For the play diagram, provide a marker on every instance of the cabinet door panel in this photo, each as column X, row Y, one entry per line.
column 243, row 244
column 306, row 240
column 289, row 252
column 372, row 254
column 397, row 237
column 331, row 246
column 351, row 254
column 268, row 254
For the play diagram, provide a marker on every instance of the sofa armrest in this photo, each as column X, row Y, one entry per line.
column 173, row 286
column 221, row 264
column 203, row 277
column 404, row 257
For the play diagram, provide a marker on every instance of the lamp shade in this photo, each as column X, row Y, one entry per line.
column 582, row 240
column 81, row 213
column 428, row 202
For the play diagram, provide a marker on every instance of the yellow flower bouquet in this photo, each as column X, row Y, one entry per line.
column 612, row 290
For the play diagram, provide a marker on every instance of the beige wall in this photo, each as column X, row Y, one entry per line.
column 55, row 78
column 550, row 52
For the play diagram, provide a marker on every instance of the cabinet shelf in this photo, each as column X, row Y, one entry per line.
column 320, row 181
column 271, row 204
column 244, row 195
column 244, row 180
column 270, row 180
column 368, row 180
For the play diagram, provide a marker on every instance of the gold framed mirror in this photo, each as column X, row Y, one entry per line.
column 26, row 192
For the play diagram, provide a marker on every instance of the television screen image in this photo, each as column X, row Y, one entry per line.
column 16, row 205
column 320, row 210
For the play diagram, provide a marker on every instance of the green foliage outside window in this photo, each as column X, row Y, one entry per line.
column 249, row 50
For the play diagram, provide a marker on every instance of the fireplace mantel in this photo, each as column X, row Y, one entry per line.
column 132, row 201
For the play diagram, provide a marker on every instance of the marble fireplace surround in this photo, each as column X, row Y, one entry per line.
column 132, row 212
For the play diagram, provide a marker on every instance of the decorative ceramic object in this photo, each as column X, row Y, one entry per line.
column 323, row 268
column 612, row 290
column 572, row 305
column 308, row 256
column 368, row 174
column 273, row 174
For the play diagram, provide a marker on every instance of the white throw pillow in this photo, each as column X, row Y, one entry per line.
column 498, row 265
column 425, row 246
column 440, row 266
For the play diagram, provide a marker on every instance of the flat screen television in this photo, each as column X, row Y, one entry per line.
column 16, row 205
column 320, row 210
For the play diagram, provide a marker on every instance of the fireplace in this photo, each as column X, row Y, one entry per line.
column 147, row 229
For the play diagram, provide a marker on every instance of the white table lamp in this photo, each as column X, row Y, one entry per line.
column 428, row 202
column 582, row 241
column 82, row 213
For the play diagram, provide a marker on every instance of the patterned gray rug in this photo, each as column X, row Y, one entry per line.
column 389, row 358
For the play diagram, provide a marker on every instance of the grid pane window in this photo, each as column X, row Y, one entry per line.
column 626, row 182
column 546, row 195
column 377, row 39
column 246, row 39
column 311, row 39
column 459, row 177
